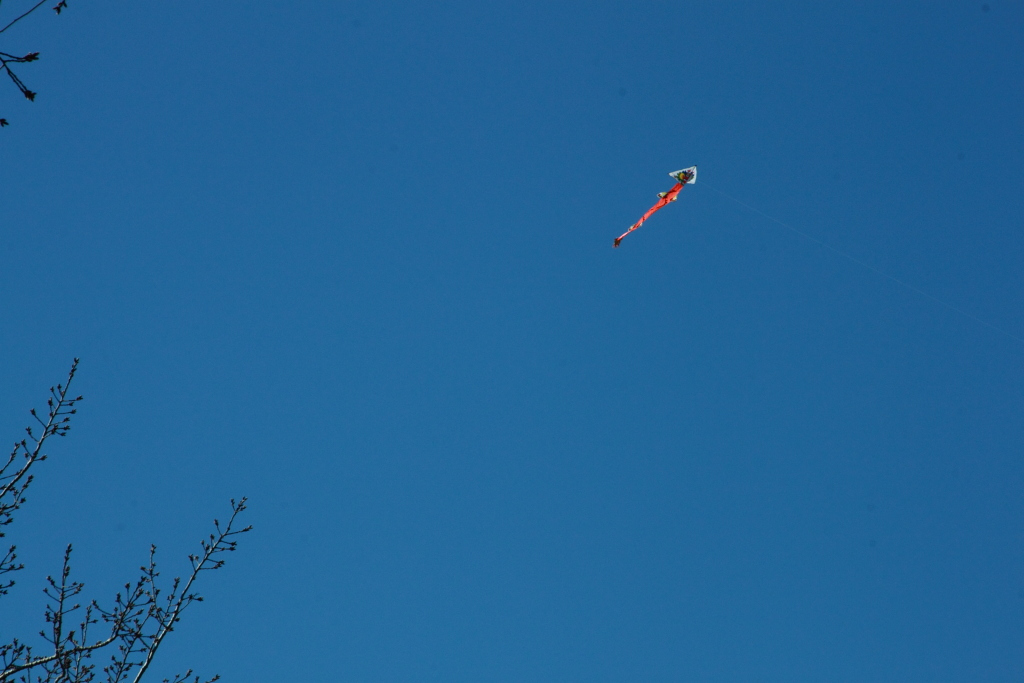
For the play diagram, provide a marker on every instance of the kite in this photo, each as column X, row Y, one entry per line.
column 687, row 176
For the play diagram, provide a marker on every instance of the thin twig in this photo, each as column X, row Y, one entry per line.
column 16, row 20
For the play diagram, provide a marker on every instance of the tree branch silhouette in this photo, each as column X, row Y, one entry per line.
column 140, row 618
column 7, row 59
column 16, row 478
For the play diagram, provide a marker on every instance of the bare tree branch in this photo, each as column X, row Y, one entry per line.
column 141, row 617
column 24, row 14
column 6, row 60
column 16, row 478
column 166, row 617
column 137, row 625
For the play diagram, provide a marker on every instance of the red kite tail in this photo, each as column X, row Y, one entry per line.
column 669, row 197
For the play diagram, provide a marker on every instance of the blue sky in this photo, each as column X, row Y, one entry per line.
column 353, row 260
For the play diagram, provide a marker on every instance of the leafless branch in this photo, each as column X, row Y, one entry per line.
column 141, row 616
column 136, row 625
column 15, row 473
column 6, row 59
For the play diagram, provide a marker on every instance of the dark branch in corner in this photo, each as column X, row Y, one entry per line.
column 6, row 59
column 136, row 625
column 141, row 616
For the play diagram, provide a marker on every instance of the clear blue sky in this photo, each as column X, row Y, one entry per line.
column 354, row 260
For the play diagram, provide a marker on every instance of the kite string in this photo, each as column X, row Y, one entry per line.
column 856, row 260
